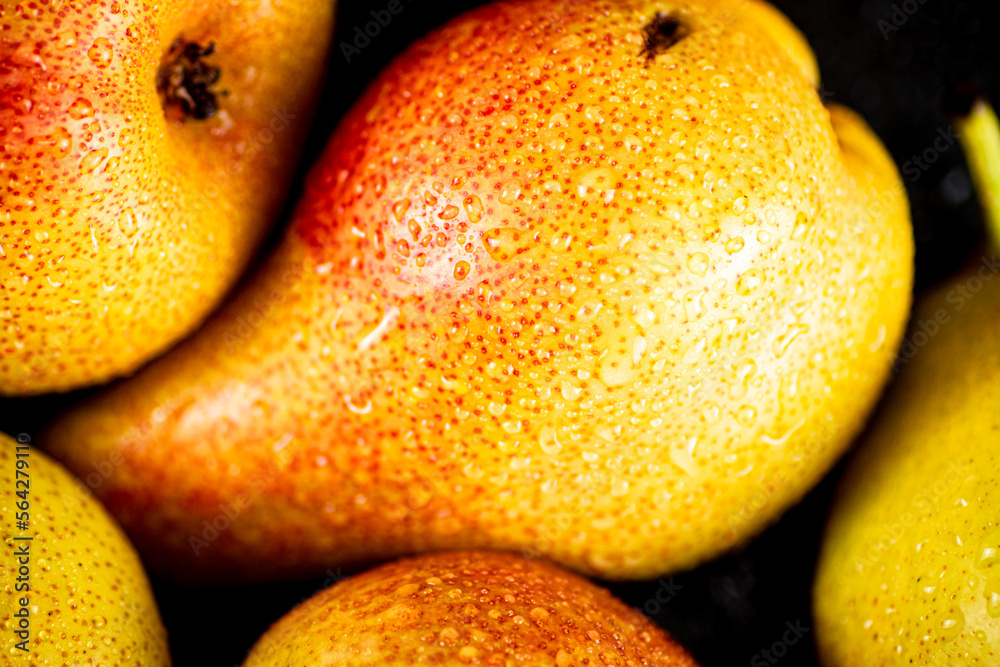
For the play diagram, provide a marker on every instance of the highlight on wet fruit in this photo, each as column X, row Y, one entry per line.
column 604, row 282
column 74, row 590
column 909, row 573
column 465, row 608
column 146, row 150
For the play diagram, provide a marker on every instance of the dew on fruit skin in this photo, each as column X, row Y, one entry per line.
column 569, row 391
column 734, row 245
column 989, row 550
column 638, row 349
column 81, row 108
column 473, row 208
column 549, row 441
column 992, row 595
column 501, row 243
column 128, row 224
column 698, row 264
column 509, row 193
column 951, row 627
column 124, row 137
column 400, row 208
column 387, row 324
column 101, row 53
column 65, row 39
column 93, row 160
column 782, row 343
column 746, row 416
column 59, row 143
column 462, row 269
column 749, row 281
column 450, row 212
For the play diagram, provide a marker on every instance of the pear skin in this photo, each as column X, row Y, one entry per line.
column 909, row 571
column 88, row 599
column 616, row 291
column 453, row 609
column 147, row 149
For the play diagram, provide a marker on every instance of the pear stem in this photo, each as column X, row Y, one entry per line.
column 979, row 133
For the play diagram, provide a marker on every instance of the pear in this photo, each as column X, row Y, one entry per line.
column 465, row 608
column 909, row 572
column 603, row 282
column 147, row 149
column 75, row 592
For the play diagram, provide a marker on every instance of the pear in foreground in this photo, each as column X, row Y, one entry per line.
column 71, row 580
column 618, row 297
column 453, row 609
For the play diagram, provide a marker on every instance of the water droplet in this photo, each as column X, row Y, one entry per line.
column 473, row 208
column 989, row 550
column 502, row 243
column 638, row 349
column 566, row 288
column 992, row 595
column 763, row 237
column 692, row 304
column 746, row 416
column 462, row 269
column 93, row 160
column 698, row 264
column 569, row 391
column 450, row 212
column 509, row 193
column 356, row 409
column 511, row 427
column 548, row 441
column 66, row 39
column 132, row 33
column 951, row 627
column 749, row 281
column 400, row 208
column 783, row 341
column 59, row 143
column 633, row 143
column 128, row 223
column 80, row 109
column 388, row 323
column 101, row 53
column 734, row 245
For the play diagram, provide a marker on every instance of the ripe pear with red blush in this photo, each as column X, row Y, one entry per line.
column 455, row 609
column 602, row 281
column 146, row 150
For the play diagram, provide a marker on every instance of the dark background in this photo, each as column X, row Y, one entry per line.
column 897, row 74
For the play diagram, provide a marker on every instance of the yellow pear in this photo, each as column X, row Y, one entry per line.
column 601, row 281
column 147, row 147
column 909, row 572
column 453, row 609
column 74, row 589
